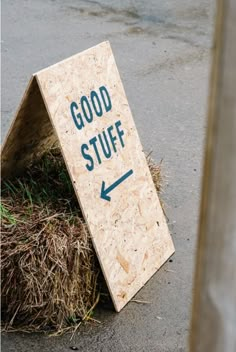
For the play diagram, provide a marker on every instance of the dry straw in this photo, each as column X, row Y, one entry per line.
column 50, row 275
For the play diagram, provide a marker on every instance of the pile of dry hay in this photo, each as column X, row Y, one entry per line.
column 49, row 268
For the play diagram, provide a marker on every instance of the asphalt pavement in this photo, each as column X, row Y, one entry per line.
column 162, row 49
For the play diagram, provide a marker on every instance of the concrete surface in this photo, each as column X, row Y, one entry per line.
column 162, row 50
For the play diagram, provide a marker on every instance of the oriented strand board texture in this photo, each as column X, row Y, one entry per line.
column 30, row 135
column 129, row 233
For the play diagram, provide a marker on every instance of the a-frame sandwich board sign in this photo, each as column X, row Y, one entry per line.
column 81, row 103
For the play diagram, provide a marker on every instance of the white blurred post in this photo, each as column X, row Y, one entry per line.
column 214, row 305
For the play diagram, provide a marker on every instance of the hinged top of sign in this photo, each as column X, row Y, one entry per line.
column 82, row 103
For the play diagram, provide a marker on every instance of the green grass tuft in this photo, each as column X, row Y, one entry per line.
column 6, row 216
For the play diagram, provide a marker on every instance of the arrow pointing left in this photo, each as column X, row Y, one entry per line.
column 105, row 191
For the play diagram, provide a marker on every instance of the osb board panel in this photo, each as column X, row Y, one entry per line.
column 30, row 135
column 129, row 232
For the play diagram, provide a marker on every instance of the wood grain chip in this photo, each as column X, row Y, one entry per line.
column 123, row 262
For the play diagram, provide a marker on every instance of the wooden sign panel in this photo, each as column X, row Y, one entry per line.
column 82, row 103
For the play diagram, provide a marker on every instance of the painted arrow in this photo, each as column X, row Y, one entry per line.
column 105, row 191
